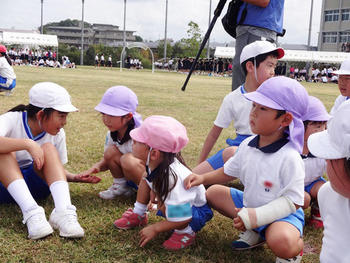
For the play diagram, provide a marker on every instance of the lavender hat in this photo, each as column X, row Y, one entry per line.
column 316, row 111
column 119, row 101
column 282, row 93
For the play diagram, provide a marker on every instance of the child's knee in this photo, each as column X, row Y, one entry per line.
column 48, row 148
column 213, row 193
column 228, row 153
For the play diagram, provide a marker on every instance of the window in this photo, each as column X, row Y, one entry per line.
column 330, row 37
column 344, row 37
column 345, row 14
column 331, row 15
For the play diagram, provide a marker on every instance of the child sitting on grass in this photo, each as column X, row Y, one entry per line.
column 270, row 167
column 333, row 145
column 258, row 61
column 118, row 109
column 158, row 143
column 314, row 121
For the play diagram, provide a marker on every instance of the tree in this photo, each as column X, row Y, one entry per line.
column 160, row 49
column 193, row 40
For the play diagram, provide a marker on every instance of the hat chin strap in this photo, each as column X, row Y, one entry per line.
column 148, row 170
column 255, row 74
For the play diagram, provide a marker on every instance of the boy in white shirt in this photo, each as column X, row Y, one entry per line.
column 333, row 144
column 343, row 84
column 258, row 60
column 270, row 167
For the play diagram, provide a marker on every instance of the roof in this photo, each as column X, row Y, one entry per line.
column 31, row 39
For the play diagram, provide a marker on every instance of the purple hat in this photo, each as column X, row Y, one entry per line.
column 316, row 111
column 162, row 133
column 119, row 101
column 282, row 93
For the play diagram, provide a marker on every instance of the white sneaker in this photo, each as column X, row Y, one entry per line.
column 37, row 225
column 296, row 259
column 116, row 190
column 66, row 222
column 247, row 240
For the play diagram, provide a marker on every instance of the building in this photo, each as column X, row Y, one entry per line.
column 335, row 26
column 108, row 35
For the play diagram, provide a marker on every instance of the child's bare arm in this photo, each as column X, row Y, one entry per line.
column 211, row 139
column 215, row 177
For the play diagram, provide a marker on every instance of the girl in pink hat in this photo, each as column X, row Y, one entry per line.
column 118, row 109
column 315, row 120
column 158, row 142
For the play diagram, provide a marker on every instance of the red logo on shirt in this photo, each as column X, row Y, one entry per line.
column 268, row 185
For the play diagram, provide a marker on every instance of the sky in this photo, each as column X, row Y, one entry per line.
column 147, row 17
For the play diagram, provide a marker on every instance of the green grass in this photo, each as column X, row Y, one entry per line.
column 158, row 93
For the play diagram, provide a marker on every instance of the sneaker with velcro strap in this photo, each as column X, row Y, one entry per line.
column 130, row 220
column 179, row 241
column 247, row 240
column 66, row 221
column 36, row 222
column 116, row 190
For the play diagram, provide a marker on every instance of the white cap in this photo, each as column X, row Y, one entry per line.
column 258, row 48
column 344, row 68
column 333, row 143
column 51, row 95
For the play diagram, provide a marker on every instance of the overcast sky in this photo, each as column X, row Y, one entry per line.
column 147, row 17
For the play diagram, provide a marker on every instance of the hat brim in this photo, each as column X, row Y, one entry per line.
column 65, row 108
column 320, row 145
column 136, row 134
column 341, row 72
column 109, row 110
column 262, row 99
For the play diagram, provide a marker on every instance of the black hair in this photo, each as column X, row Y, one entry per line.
column 306, row 123
column 258, row 59
column 347, row 166
column 126, row 137
column 280, row 113
column 4, row 54
column 162, row 180
column 33, row 110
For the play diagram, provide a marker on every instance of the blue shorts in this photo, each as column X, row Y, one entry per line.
column 216, row 161
column 296, row 219
column 37, row 186
column 200, row 215
column 4, row 80
column 132, row 185
column 309, row 186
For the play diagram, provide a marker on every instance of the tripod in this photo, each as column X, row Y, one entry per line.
column 217, row 13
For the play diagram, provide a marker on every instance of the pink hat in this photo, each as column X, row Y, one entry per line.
column 282, row 93
column 3, row 49
column 316, row 111
column 119, row 101
column 162, row 133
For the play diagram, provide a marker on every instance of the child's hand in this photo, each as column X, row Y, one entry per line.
column 147, row 234
column 92, row 170
column 86, row 178
column 237, row 222
column 37, row 153
column 193, row 180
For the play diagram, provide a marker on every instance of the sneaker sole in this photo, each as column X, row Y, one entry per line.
column 250, row 247
column 41, row 235
column 79, row 235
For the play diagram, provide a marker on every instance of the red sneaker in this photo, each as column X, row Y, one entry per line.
column 179, row 241
column 130, row 219
column 316, row 220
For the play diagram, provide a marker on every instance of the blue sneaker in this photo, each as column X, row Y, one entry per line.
column 247, row 240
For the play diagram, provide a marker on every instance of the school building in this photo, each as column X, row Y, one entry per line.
column 105, row 34
column 335, row 26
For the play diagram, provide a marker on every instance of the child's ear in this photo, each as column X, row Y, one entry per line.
column 155, row 155
column 39, row 115
column 286, row 119
column 128, row 117
column 249, row 66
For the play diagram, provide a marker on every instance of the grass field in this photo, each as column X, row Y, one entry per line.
column 158, row 93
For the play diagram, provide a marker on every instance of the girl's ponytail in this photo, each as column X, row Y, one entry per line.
column 32, row 110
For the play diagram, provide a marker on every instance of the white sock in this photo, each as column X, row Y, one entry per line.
column 60, row 194
column 139, row 208
column 19, row 191
column 186, row 230
column 119, row 181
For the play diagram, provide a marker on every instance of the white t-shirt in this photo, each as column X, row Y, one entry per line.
column 15, row 125
column 338, row 101
column 179, row 202
column 235, row 107
column 314, row 169
column 124, row 148
column 335, row 213
column 266, row 176
column 6, row 71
